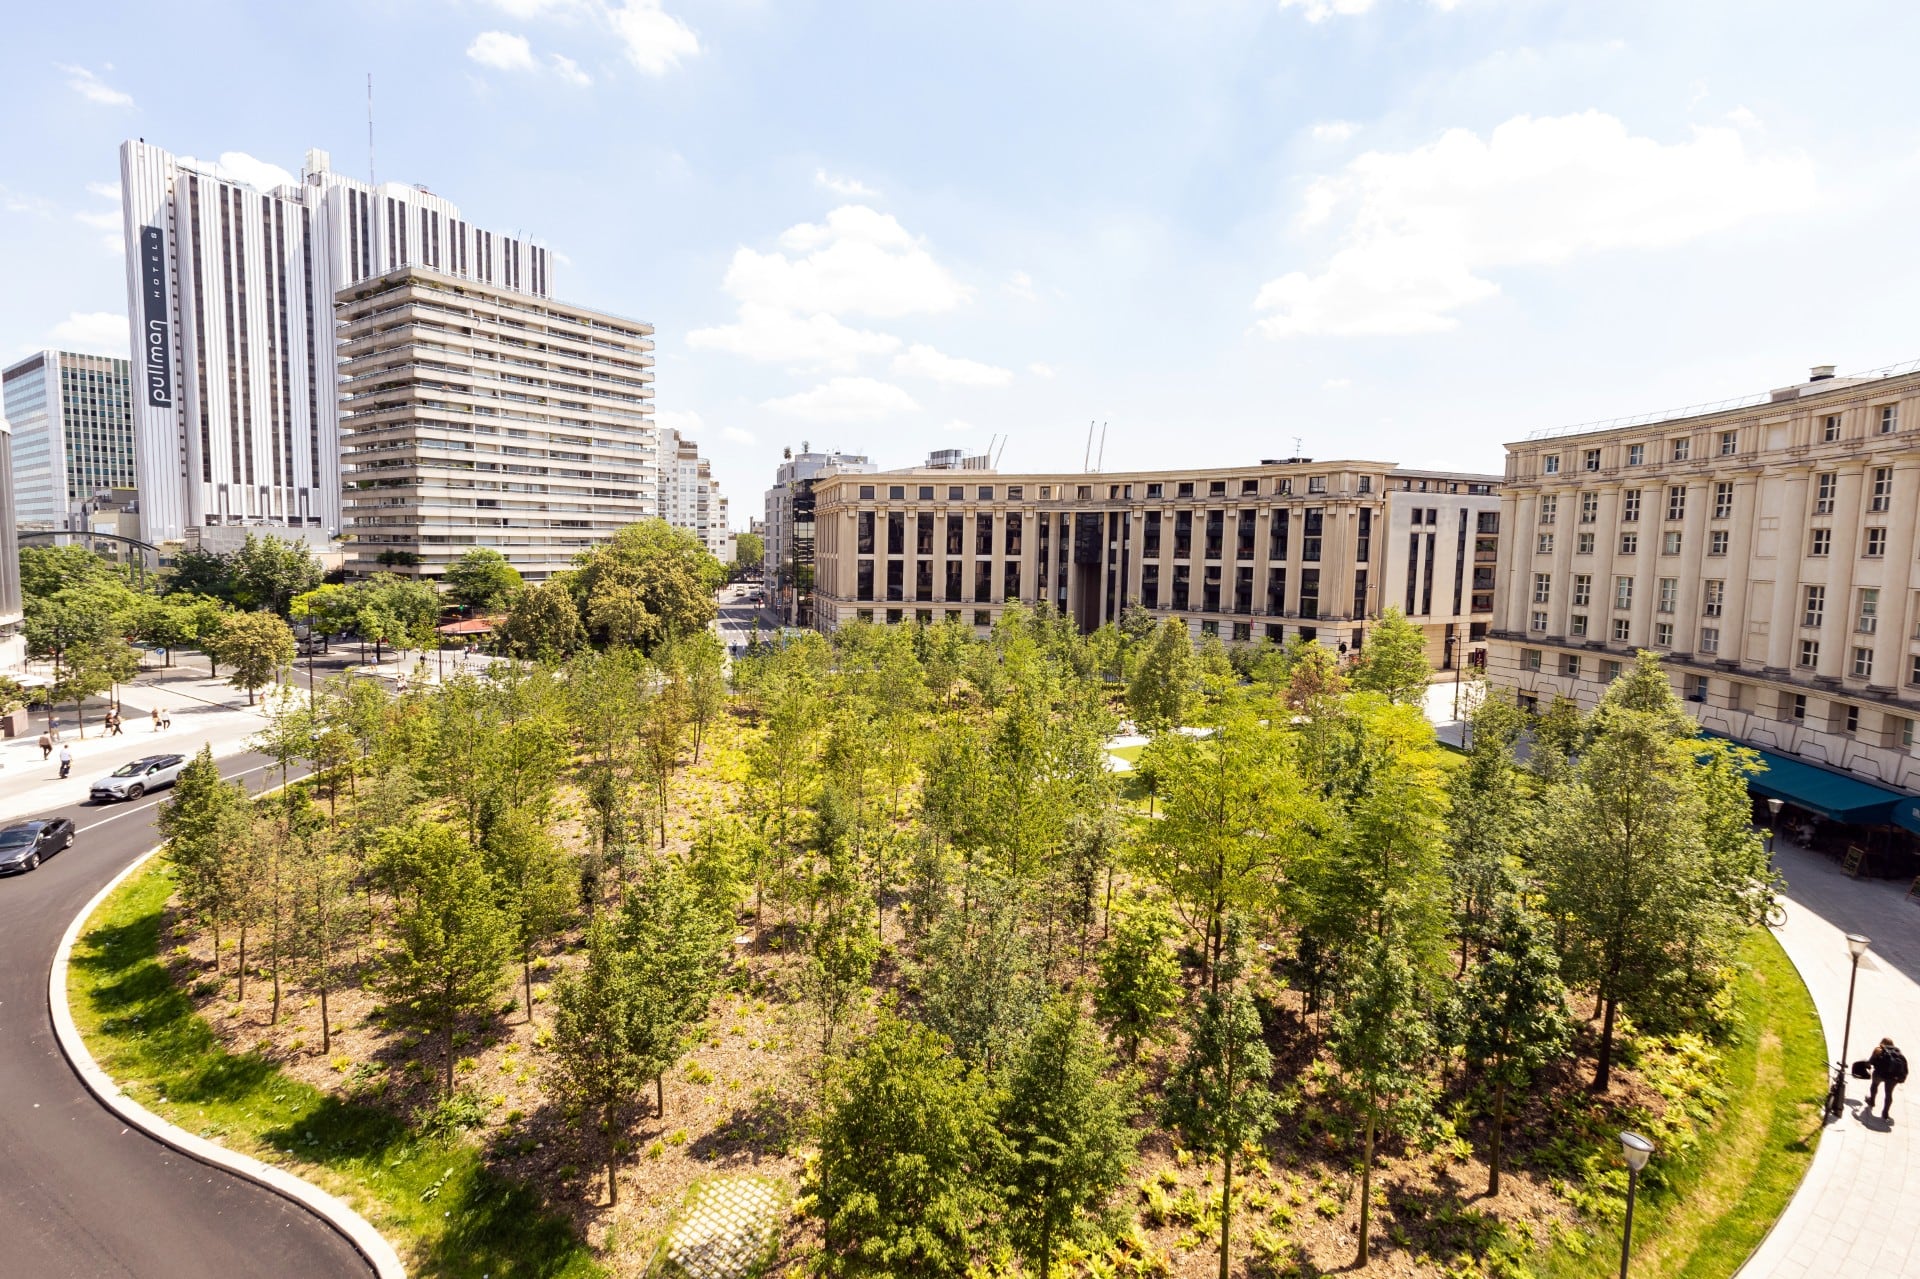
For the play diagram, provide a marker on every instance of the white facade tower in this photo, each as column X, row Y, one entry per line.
column 231, row 295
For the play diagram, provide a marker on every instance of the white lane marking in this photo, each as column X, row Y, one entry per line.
column 128, row 812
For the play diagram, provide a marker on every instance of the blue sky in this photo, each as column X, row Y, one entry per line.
column 1398, row 229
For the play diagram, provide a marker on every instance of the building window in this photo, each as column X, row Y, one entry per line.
column 1670, row 542
column 1913, row 669
column 1863, row 663
column 1676, row 501
column 1821, row 542
column 1620, row 630
column 1682, row 449
column 1729, row 443
column 1630, row 506
column 1830, row 429
column 1530, row 659
column 1629, row 543
column 1623, row 592
column 866, row 492
column 1825, row 485
column 1542, row 587
column 1549, row 509
column 1797, row 708
column 1582, row 589
column 1153, row 490
column 1714, row 597
column 1316, row 484
column 1717, row 542
column 894, row 616
column 1636, row 454
column 1876, row 543
column 1882, row 488
column 1577, row 624
column 896, row 493
column 1814, row 606
column 1889, row 418
column 1663, row 634
column 1591, row 459
column 1609, row 671
column 981, row 617
column 1543, row 545
column 1866, row 617
column 1901, row 731
column 1722, row 500
column 1851, row 720
column 1669, row 594
column 1552, row 464
column 956, row 492
column 1809, row 654
column 1589, row 507
column 1696, row 686
column 1539, row 620
column 1015, row 492
column 1709, row 639
column 1583, row 544
column 1570, row 665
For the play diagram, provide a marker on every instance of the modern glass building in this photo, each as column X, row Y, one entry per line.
column 72, row 419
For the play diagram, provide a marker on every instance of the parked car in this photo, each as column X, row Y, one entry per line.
column 24, row 845
column 131, row 781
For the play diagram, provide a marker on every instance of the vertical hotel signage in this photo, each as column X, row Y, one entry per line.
column 156, row 329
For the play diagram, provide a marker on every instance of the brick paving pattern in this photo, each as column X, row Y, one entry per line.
column 1855, row 1214
column 726, row 1228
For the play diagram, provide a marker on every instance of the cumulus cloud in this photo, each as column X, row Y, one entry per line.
column 105, row 190
column 852, row 188
column 569, row 70
column 956, row 425
column 97, row 331
column 685, row 421
column 778, row 336
column 93, row 88
column 1321, row 10
column 655, row 40
column 502, row 51
column 858, row 261
column 920, row 360
column 1334, row 130
column 1040, row 370
column 1020, row 285
column 529, row 9
column 102, row 220
column 737, row 435
column 1423, row 227
column 846, row 399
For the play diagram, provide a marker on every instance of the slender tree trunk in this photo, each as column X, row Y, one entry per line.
column 242, row 996
column 660, row 1095
column 613, row 1182
column 1499, row 1124
column 1366, row 1189
column 1603, row 1071
column 446, row 1038
column 326, row 1027
column 1226, row 1214
column 216, row 945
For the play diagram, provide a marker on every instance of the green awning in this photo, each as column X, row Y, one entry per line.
column 1835, row 796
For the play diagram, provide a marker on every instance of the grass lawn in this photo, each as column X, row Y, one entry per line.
column 1129, row 753
column 433, row 1198
column 1723, row 1198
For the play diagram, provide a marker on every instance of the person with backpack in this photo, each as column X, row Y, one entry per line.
column 1889, row 1067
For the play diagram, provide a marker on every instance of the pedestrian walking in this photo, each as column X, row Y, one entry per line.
column 113, row 722
column 166, row 719
column 46, row 744
column 53, row 726
column 66, row 761
column 156, row 719
column 1889, row 1067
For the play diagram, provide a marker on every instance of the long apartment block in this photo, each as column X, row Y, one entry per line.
column 477, row 416
column 1765, row 550
column 1280, row 550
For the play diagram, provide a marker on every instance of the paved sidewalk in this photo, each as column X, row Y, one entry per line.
column 1855, row 1213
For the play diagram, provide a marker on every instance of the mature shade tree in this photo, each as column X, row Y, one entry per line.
column 258, row 646
column 601, row 1018
column 1394, row 661
column 544, row 623
column 268, row 571
column 326, row 610
column 749, row 553
column 451, row 937
column 1164, row 678
column 909, row 1154
column 537, row 884
column 649, row 584
column 1218, row 1097
column 1558, row 734
column 1512, row 1012
column 1070, row 1132
column 175, row 622
column 1139, row 976
column 401, row 611
column 481, row 580
column 46, row 570
column 89, row 669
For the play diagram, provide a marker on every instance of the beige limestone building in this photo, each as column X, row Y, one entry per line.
column 474, row 416
column 1766, row 551
column 1274, row 551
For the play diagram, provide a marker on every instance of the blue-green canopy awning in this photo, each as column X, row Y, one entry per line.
column 1833, row 795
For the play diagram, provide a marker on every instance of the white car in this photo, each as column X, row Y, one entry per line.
column 131, row 781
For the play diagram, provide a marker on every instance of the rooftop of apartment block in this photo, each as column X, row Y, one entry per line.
column 400, row 276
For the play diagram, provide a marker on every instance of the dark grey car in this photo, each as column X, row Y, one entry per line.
column 24, row 845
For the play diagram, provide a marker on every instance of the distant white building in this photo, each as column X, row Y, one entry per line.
column 72, row 434
column 689, row 497
column 231, row 295
column 788, row 534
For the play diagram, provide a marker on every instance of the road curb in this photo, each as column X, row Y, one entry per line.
column 367, row 1241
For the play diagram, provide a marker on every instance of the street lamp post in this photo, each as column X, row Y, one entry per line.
column 1638, row 1150
column 1837, row 1096
column 1774, row 806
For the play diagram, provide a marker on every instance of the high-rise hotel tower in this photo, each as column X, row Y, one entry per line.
column 231, row 299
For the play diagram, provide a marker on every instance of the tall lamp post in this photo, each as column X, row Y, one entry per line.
column 1837, row 1095
column 1638, row 1150
column 1774, row 806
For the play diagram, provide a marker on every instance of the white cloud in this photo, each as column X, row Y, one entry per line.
column 21, row 202
column 93, row 89
column 655, row 40
column 1020, row 285
column 778, row 336
column 1040, row 370
column 103, row 220
column 1743, row 118
column 846, row 399
column 100, row 331
column 920, row 360
column 850, row 187
column 261, row 175
column 1334, row 130
column 1424, row 225
column 527, row 9
column 737, row 435
column 502, row 51
column 685, row 421
column 1321, row 10
column 956, row 425
column 569, row 70
column 105, row 190
column 858, row 260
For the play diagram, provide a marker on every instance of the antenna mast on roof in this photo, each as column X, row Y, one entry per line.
column 1100, row 458
column 1296, row 446
column 1003, row 451
column 1086, row 455
column 370, row 178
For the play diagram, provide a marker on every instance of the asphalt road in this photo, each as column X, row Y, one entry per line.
column 736, row 622
column 81, row 1194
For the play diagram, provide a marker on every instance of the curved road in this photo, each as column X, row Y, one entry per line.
column 81, row 1194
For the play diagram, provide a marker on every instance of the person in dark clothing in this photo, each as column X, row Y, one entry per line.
column 1889, row 1067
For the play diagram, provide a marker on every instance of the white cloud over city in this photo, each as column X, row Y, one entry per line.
column 846, row 399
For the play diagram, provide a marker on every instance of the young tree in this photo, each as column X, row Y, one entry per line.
column 699, row 663
column 1163, row 681
column 204, row 821
column 259, row 647
column 678, row 937
column 1382, row 1041
column 1512, row 1011
column 908, row 1157
column 324, row 917
column 1492, row 821
column 544, row 623
column 981, row 982
column 537, row 885
column 1394, row 661
column 601, row 1018
column 481, row 580
column 1139, row 976
column 841, row 949
column 1218, row 1096
column 1070, row 1132
column 451, row 937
